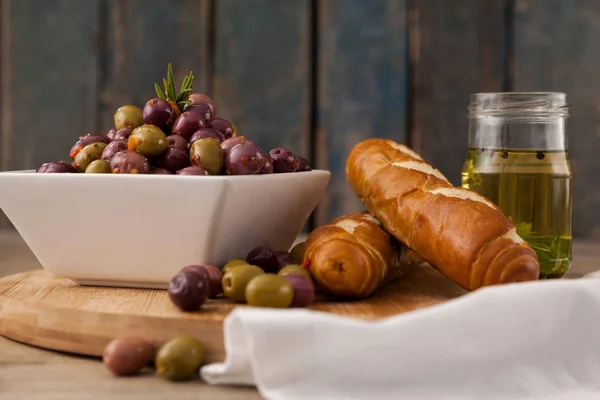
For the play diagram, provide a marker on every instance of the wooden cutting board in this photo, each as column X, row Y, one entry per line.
column 40, row 309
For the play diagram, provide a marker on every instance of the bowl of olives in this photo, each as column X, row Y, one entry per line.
column 172, row 183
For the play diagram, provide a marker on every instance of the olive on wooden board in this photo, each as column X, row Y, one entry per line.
column 231, row 264
column 297, row 253
column 189, row 289
column 214, row 277
column 304, row 290
column 295, row 269
column 283, row 259
column 235, row 281
column 127, row 356
column 263, row 257
column 269, row 290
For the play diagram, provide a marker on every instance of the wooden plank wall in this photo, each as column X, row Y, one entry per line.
column 557, row 49
column 312, row 75
column 362, row 87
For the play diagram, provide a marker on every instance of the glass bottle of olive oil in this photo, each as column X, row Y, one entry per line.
column 518, row 158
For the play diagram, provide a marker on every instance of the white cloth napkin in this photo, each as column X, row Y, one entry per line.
column 538, row 340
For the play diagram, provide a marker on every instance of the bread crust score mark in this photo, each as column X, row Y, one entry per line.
column 459, row 232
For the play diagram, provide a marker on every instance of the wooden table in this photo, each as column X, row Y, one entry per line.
column 30, row 373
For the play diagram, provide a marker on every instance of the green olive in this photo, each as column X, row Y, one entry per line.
column 179, row 358
column 148, row 140
column 208, row 154
column 98, row 167
column 294, row 269
column 128, row 117
column 231, row 264
column 269, row 290
column 297, row 253
column 235, row 281
column 89, row 153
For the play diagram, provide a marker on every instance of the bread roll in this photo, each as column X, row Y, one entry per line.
column 353, row 256
column 459, row 232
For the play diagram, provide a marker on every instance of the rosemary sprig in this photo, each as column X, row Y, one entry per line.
column 170, row 94
column 159, row 91
column 549, row 250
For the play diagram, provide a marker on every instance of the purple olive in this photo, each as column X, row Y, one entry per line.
column 201, row 98
column 268, row 167
column 214, row 277
column 174, row 159
column 263, row 257
column 244, row 159
column 187, row 124
column 207, row 133
column 177, row 142
column 85, row 140
column 223, row 126
column 111, row 134
column 113, row 148
column 56, row 167
column 158, row 112
column 161, row 171
column 193, row 170
column 123, row 133
column 303, row 164
column 129, row 162
column 304, row 290
column 188, row 290
column 283, row 259
column 202, row 109
column 228, row 144
column 283, row 160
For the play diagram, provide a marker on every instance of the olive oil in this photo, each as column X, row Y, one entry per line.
column 533, row 188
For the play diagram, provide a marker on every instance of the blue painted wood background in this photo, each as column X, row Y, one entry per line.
column 312, row 75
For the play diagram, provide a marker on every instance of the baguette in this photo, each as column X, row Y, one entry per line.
column 353, row 256
column 459, row 232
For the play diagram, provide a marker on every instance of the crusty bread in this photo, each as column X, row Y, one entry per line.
column 353, row 256
column 459, row 232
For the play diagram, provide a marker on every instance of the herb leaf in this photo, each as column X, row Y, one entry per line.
column 170, row 94
column 159, row 91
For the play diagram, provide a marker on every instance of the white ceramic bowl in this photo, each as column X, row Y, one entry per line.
column 139, row 230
